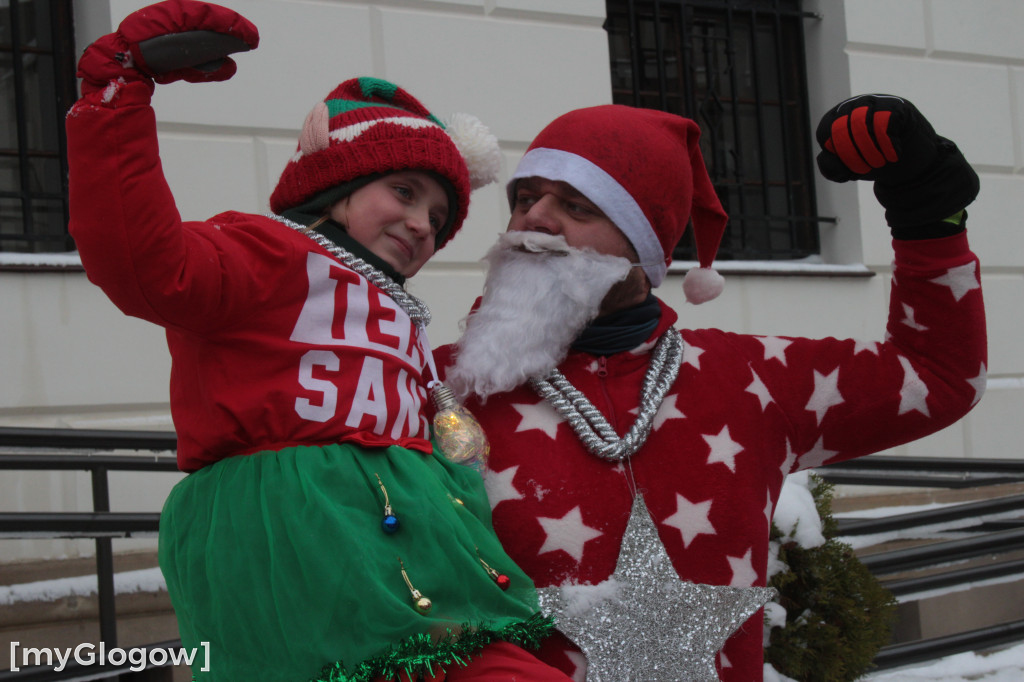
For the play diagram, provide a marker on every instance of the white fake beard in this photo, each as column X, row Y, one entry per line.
column 540, row 293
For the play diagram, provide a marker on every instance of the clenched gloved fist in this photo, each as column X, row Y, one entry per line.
column 166, row 42
column 920, row 178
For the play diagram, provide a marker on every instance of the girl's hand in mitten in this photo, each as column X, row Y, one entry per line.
column 166, row 42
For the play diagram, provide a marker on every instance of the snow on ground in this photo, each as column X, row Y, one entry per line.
column 144, row 580
column 1006, row 665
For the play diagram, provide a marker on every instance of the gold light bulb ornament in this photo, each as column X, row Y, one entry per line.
column 457, row 432
column 422, row 604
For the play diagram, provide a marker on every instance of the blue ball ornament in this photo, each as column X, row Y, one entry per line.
column 389, row 524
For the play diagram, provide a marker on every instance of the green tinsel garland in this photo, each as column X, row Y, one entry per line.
column 422, row 653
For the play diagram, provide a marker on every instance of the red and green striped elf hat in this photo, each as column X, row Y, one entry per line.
column 367, row 127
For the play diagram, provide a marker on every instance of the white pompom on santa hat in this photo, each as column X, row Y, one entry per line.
column 644, row 169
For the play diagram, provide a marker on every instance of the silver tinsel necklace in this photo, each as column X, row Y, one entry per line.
column 593, row 430
column 414, row 307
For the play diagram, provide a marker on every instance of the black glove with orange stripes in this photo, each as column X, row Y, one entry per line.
column 921, row 179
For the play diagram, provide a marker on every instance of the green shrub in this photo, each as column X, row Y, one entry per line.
column 838, row 615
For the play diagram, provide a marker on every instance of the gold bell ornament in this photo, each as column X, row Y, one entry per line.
column 456, row 430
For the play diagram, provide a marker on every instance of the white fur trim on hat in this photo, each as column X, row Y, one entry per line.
column 606, row 193
column 702, row 284
column 478, row 147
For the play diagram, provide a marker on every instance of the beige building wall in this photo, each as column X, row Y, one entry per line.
column 70, row 359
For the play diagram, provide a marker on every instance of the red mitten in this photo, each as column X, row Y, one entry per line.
column 169, row 41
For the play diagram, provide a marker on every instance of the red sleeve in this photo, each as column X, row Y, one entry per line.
column 125, row 223
column 847, row 398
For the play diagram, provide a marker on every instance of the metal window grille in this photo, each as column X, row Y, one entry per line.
column 37, row 86
column 737, row 67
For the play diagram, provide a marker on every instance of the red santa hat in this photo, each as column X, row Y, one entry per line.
column 644, row 169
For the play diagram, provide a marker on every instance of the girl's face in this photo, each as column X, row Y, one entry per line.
column 397, row 217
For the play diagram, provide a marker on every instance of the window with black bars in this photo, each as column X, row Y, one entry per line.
column 737, row 68
column 37, row 86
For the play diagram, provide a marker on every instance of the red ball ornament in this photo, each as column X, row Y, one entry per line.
column 503, row 581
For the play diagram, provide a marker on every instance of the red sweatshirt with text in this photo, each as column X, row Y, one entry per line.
column 274, row 342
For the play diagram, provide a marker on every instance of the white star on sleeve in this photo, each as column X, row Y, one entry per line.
column 691, row 519
column 865, row 347
column 769, row 509
column 910, row 321
column 568, row 534
column 826, row 393
column 774, row 347
column 817, row 455
column 691, row 355
column 758, row 388
column 539, row 416
column 979, row 383
column 960, row 279
column 723, row 448
column 914, row 392
column 499, row 486
column 667, row 410
column 743, row 573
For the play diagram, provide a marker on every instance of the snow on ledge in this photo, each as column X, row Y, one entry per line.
column 70, row 259
column 811, row 266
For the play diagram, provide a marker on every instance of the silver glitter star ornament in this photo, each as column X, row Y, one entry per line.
column 644, row 623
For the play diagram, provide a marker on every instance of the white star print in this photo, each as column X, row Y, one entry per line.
column 743, row 573
column 691, row 519
column 865, row 347
column 769, row 509
column 774, row 347
column 787, row 464
column 579, row 673
column 817, row 455
column 644, row 347
column 568, row 534
column 539, row 416
column 758, row 388
column 667, row 410
column 910, row 321
column 499, row 486
column 960, row 280
column 723, row 448
column 826, row 393
column 691, row 355
column 979, row 383
column 914, row 392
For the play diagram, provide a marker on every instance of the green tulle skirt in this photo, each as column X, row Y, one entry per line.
column 279, row 561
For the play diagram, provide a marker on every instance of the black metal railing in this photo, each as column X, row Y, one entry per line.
column 25, row 449
column 998, row 540
column 33, row 449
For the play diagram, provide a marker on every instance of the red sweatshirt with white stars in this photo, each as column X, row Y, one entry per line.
column 744, row 412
